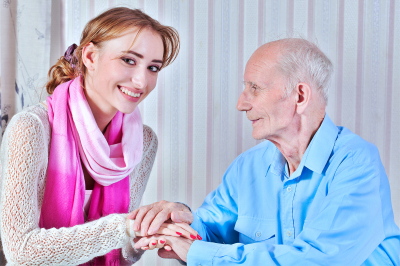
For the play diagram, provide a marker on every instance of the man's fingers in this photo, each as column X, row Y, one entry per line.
column 132, row 215
column 160, row 218
column 182, row 217
column 139, row 217
column 148, row 219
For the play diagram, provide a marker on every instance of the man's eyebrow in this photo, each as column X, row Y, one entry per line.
column 141, row 56
column 251, row 84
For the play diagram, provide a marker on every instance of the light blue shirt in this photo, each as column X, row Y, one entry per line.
column 335, row 209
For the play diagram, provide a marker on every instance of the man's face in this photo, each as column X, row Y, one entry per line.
column 264, row 98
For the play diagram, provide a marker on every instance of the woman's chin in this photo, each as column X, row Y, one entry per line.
column 127, row 109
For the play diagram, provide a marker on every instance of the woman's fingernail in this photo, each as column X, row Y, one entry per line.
column 199, row 237
column 162, row 241
column 192, row 236
column 154, row 243
column 145, row 248
column 179, row 233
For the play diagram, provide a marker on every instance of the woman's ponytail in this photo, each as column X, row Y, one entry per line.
column 64, row 70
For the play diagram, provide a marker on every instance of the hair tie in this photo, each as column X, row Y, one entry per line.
column 69, row 54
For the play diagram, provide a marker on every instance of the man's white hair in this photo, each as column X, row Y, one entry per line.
column 303, row 61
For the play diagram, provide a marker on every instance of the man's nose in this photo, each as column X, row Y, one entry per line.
column 243, row 103
column 139, row 78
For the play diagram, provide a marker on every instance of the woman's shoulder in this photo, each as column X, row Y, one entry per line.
column 150, row 141
column 32, row 120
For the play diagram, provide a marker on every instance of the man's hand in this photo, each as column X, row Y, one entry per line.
column 149, row 218
column 180, row 246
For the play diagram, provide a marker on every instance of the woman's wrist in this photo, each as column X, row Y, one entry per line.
column 129, row 227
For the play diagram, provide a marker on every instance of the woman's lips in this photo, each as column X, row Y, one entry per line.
column 129, row 94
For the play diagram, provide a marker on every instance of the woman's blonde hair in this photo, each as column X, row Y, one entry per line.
column 109, row 25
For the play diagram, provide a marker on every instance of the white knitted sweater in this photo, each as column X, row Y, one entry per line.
column 23, row 163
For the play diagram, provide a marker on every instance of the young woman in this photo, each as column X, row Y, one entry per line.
column 74, row 166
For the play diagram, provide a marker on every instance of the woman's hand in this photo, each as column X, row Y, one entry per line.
column 179, row 245
column 151, row 242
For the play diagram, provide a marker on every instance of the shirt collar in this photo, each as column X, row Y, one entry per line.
column 320, row 148
column 317, row 153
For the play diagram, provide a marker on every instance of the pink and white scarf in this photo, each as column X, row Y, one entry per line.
column 109, row 159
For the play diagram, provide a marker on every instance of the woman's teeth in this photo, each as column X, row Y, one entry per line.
column 130, row 93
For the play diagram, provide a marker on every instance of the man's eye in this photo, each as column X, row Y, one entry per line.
column 128, row 61
column 154, row 69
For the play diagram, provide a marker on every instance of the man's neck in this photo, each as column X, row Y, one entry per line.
column 293, row 142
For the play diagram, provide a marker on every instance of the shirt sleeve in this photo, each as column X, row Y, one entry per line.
column 346, row 230
column 215, row 219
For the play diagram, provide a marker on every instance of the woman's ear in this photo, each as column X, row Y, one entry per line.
column 90, row 56
column 303, row 91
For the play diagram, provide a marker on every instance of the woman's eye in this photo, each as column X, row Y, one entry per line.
column 154, row 69
column 129, row 61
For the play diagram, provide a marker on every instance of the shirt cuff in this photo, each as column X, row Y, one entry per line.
column 202, row 253
column 198, row 226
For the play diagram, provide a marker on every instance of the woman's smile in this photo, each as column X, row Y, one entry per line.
column 130, row 94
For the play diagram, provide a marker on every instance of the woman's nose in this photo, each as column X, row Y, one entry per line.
column 139, row 78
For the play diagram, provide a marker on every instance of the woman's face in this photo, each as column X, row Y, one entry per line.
column 123, row 75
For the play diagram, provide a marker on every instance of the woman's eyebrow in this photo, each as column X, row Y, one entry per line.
column 141, row 56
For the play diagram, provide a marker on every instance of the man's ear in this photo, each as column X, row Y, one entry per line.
column 303, row 96
column 89, row 56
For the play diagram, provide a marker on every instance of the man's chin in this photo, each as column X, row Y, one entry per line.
column 257, row 136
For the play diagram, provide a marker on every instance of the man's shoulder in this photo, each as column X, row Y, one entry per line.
column 351, row 145
column 261, row 150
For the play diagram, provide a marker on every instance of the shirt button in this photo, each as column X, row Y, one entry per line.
column 258, row 234
column 289, row 233
column 289, row 189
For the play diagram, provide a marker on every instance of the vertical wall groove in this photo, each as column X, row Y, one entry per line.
column 190, row 104
column 360, row 64
column 389, row 87
column 339, row 67
column 240, row 75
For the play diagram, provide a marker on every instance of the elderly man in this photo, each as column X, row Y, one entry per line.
column 313, row 194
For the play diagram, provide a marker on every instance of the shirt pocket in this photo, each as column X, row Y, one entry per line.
column 253, row 230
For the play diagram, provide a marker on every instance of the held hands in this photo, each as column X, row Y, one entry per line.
column 149, row 218
column 167, row 222
column 175, row 229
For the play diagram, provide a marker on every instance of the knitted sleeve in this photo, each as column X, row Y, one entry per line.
column 23, row 158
